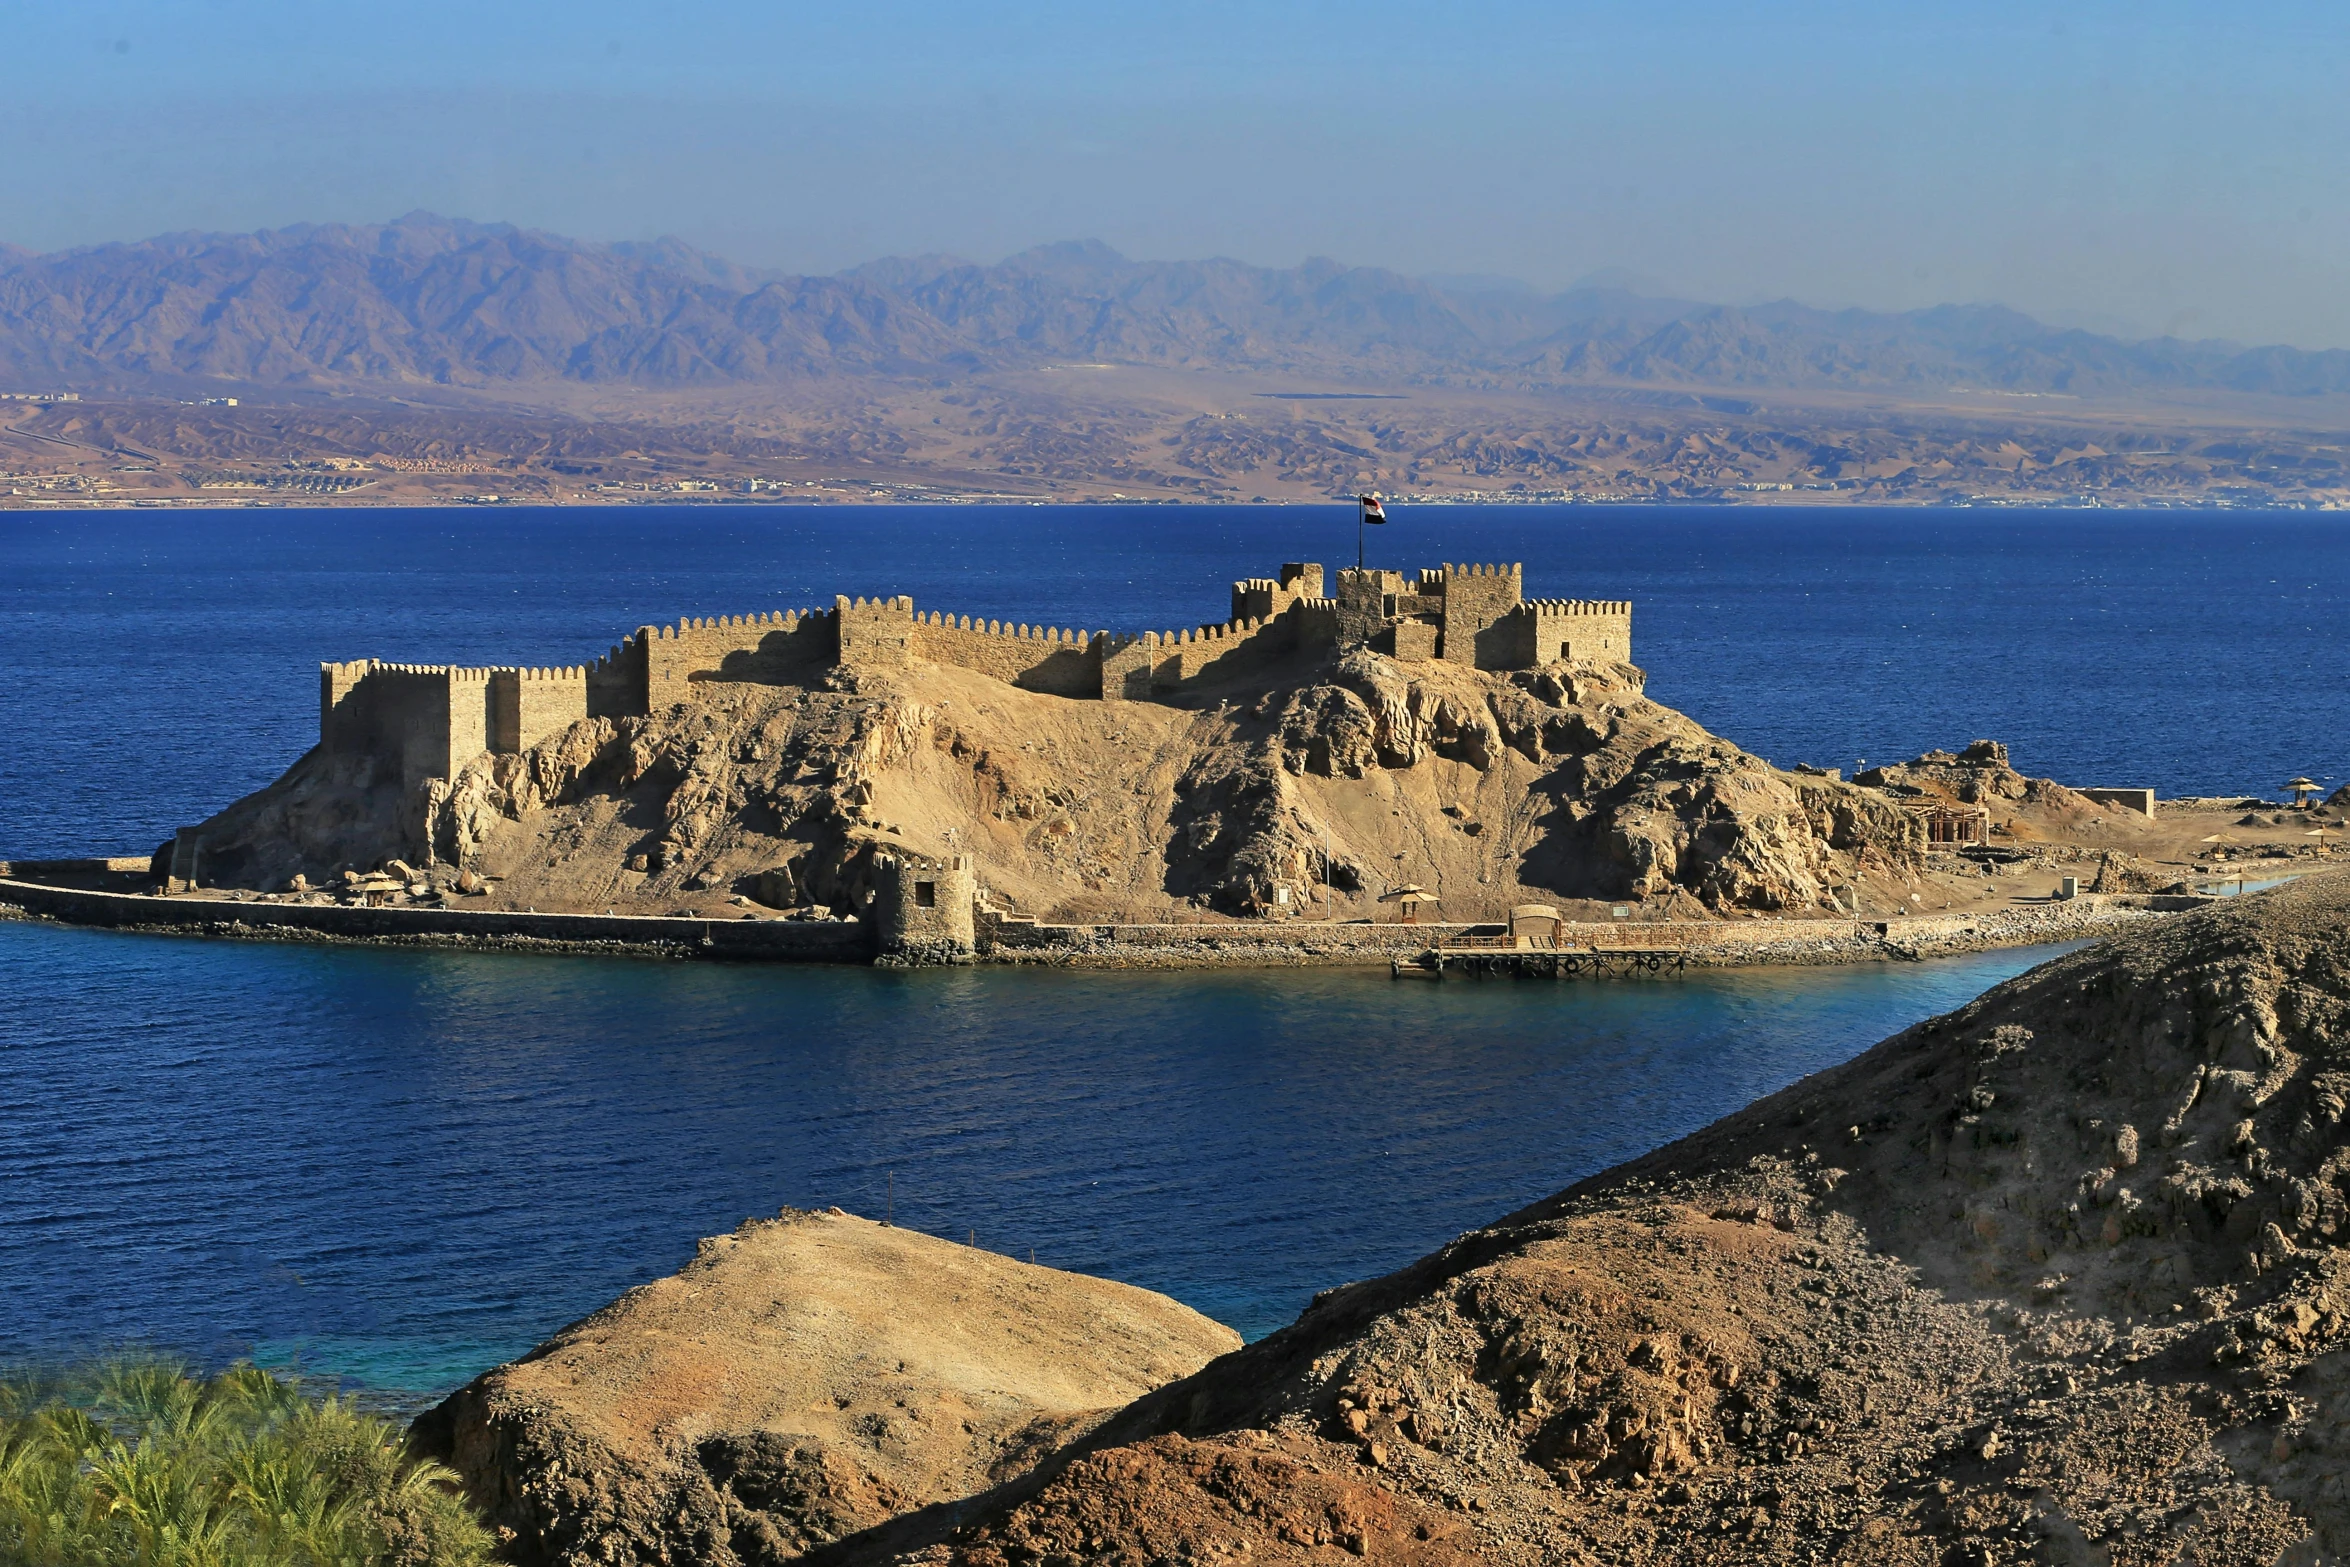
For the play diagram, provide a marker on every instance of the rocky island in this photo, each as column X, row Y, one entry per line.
column 1335, row 759
column 2057, row 1277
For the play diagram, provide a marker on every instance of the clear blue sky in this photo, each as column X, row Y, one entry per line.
column 2159, row 165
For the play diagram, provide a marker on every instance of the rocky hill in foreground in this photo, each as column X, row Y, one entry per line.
column 801, row 1380
column 2058, row 1277
column 1320, row 783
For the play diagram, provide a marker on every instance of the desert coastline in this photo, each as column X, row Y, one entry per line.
column 435, row 361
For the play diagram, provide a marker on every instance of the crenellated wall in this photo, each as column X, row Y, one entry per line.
column 429, row 718
column 924, row 910
column 1161, row 663
column 1365, row 603
column 616, row 682
column 434, row 719
column 1262, row 598
column 1035, row 658
column 874, row 633
column 1475, row 599
column 1542, row 631
column 1317, row 622
column 768, row 649
column 335, row 683
column 527, row 705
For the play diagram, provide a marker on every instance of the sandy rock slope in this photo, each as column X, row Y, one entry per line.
column 801, row 1380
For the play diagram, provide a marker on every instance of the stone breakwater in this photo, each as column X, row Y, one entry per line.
column 489, row 929
column 1250, row 944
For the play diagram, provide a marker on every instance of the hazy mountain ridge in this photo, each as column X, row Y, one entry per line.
column 437, row 301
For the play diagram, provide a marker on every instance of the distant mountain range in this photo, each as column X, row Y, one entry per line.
column 428, row 300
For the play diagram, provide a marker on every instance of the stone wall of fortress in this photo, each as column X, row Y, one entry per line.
column 527, row 705
column 433, row 719
column 1476, row 600
column 1036, row 658
column 428, row 718
column 1541, row 631
column 1162, row 663
column 768, row 649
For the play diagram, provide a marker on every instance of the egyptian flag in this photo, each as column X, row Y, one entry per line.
column 1372, row 510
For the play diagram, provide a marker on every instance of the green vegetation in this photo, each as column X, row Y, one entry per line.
column 137, row 1463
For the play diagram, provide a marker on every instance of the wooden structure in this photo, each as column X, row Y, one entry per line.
column 1410, row 900
column 1947, row 825
column 1537, row 923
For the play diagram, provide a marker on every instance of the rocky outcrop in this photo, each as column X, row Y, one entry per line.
column 1316, row 783
column 2128, row 873
column 1978, row 775
column 802, row 1380
column 2063, row 1276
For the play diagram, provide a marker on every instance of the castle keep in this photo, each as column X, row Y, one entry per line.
column 434, row 719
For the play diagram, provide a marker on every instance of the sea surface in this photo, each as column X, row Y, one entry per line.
column 401, row 1167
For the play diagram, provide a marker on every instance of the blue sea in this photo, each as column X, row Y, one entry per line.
column 400, row 1168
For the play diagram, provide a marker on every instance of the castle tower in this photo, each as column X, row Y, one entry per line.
column 1475, row 599
column 924, row 910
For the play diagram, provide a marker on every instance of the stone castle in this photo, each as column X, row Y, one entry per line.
column 434, row 719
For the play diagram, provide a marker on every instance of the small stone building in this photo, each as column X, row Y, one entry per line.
column 924, row 910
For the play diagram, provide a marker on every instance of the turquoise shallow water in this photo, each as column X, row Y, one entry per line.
column 402, row 1167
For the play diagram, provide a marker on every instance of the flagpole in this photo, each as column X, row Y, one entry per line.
column 1358, row 533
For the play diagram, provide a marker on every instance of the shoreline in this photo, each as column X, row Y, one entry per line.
column 1287, row 944
column 917, row 495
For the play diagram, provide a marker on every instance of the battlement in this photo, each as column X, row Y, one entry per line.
column 1540, row 631
column 1436, row 580
column 1005, row 628
column 1198, row 634
column 785, row 620
column 1157, row 663
column 1575, row 607
column 434, row 718
column 772, row 646
column 383, row 670
column 1262, row 598
column 925, row 910
column 424, row 718
column 1061, row 660
column 527, row 705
